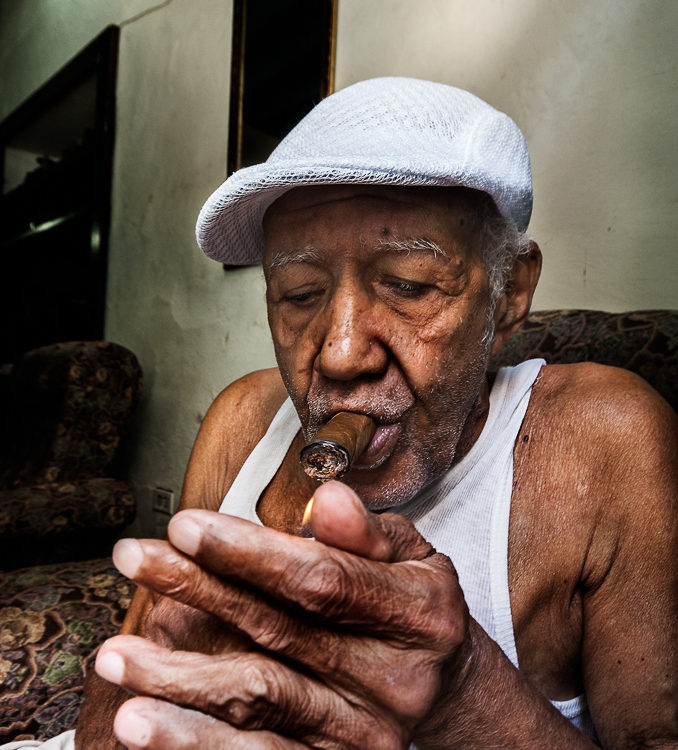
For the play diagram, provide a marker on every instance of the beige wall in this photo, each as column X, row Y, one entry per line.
column 194, row 327
column 592, row 84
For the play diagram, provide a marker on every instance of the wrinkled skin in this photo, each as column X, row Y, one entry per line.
column 380, row 628
column 361, row 638
column 359, row 324
column 394, row 616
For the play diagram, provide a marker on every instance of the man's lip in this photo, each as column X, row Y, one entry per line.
column 379, row 448
column 383, row 417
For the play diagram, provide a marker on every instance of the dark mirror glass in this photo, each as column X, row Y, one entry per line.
column 283, row 54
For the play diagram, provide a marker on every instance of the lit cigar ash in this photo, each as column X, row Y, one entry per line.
column 337, row 445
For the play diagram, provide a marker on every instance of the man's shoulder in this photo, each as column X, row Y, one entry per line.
column 242, row 412
column 597, row 397
column 606, row 431
column 595, row 469
column 251, row 400
column 235, row 422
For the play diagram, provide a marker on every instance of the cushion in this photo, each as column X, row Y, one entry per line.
column 52, row 619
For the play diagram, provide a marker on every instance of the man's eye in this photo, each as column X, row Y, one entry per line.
column 300, row 298
column 408, row 289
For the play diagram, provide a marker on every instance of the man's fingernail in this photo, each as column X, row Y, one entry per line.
column 185, row 534
column 128, row 556
column 111, row 666
column 133, row 729
column 307, row 513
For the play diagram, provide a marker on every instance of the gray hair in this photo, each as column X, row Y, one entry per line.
column 502, row 243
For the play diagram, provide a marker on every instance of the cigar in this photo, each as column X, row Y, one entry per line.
column 336, row 445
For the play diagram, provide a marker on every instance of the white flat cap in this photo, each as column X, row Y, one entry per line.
column 384, row 131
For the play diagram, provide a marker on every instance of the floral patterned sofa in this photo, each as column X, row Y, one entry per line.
column 52, row 618
column 65, row 408
column 645, row 342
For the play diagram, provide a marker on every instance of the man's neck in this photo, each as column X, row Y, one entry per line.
column 475, row 421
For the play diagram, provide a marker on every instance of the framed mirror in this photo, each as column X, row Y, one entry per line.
column 283, row 64
column 56, row 162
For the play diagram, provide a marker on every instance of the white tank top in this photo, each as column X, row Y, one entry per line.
column 464, row 514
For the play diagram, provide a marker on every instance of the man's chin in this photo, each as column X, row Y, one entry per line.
column 408, row 470
column 380, row 488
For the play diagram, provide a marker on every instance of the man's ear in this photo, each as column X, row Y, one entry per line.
column 514, row 304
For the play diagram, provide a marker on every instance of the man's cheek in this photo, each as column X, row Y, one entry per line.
column 287, row 358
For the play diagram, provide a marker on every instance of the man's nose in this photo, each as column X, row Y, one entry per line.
column 351, row 344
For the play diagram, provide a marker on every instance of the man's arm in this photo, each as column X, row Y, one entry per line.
column 242, row 410
column 607, row 448
column 103, row 698
column 630, row 576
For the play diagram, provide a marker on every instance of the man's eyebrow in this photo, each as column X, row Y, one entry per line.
column 410, row 245
column 285, row 258
column 406, row 246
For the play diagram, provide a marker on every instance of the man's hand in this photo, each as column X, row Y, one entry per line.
column 353, row 637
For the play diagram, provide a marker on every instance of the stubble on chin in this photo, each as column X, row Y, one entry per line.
column 419, row 458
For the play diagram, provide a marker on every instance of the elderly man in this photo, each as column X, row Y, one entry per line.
column 497, row 567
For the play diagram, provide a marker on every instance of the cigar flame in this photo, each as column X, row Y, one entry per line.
column 307, row 512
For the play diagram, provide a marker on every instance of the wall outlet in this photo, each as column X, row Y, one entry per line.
column 163, row 501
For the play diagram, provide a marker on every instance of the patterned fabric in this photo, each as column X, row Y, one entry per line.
column 644, row 342
column 66, row 407
column 52, row 619
column 66, row 410
column 70, row 521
